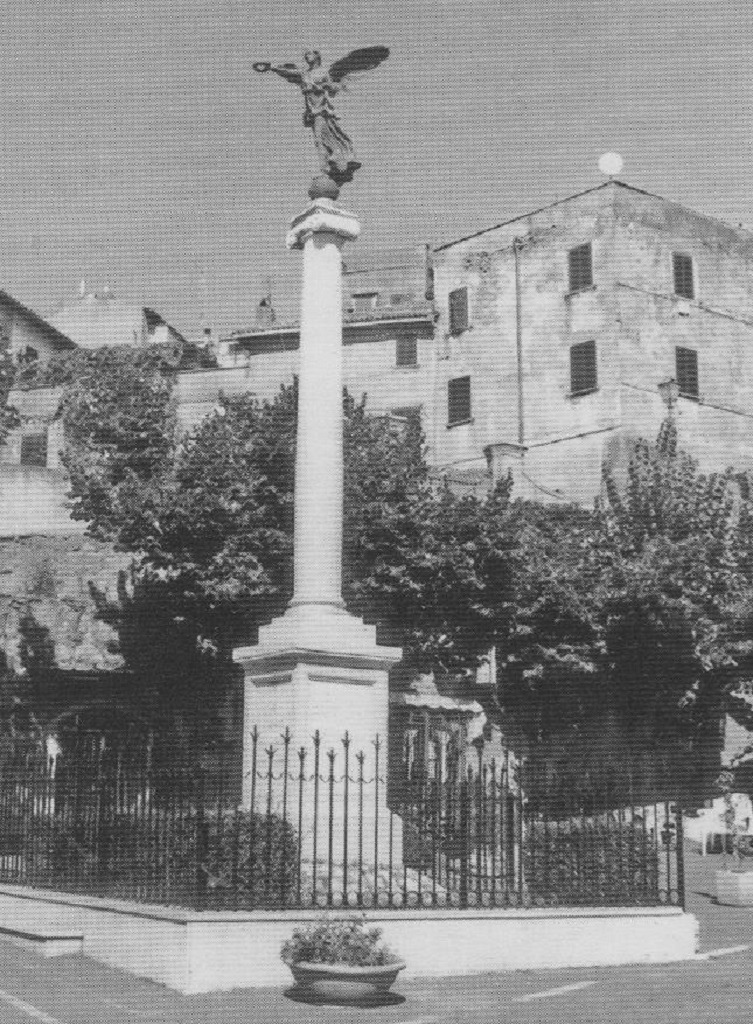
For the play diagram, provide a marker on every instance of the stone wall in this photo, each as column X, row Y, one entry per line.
column 47, row 610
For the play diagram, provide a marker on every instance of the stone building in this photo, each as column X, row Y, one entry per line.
column 33, row 484
column 565, row 334
column 388, row 337
column 542, row 346
column 28, row 336
column 94, row 319
column 56, row 649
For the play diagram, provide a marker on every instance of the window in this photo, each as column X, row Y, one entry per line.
column 34, row 449
column 406, row 351
column 580, row 268
column 686, row 362
column 458, row 401
column 364, row 302
column 410, row 413
column 458, row 300
column 682, row 268
column 583, row 368
column 28, row 355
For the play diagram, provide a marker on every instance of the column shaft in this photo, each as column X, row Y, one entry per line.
column 319, row 454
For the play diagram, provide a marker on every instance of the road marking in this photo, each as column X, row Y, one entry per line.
column 419, row 1020
column 575, row 987
column 725, row 951
column 32, row 1011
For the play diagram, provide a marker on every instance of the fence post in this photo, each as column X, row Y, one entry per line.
column 520, row 835
column 464, row 840
column 680, row 855
column 200, row 876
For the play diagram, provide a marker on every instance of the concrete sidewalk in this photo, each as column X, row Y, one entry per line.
column 720, row 926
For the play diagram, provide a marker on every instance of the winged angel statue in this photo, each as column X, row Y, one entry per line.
column 334, row 148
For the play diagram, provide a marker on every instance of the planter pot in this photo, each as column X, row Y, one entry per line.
column 734, row 888
column 343, row 983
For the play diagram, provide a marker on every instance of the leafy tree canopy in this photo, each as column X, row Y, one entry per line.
column 641, row 607
column 9, row 419
column 640, row 610
column 118, row 417
column 209, row 517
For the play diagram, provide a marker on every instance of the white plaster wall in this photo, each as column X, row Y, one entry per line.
column 204, row 952
column 368, row 368
column 34, row 501
column 151, row 944
column 147, row 946
column 447, row 943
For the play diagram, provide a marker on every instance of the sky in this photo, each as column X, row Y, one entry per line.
column 141, row 151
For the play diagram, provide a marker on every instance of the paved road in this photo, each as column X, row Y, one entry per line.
column 73, row 990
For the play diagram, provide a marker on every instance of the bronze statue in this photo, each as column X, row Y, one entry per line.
column 334, row 148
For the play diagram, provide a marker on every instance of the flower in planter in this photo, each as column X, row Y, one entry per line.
column 344, row 941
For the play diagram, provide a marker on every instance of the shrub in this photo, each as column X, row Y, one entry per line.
column 593, row 862
column 338, row 942
column 252, row 859
column 238, row 859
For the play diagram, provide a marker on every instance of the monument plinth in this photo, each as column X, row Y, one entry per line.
column 318, row 668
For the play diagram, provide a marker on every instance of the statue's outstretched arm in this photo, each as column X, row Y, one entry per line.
column 289, row 72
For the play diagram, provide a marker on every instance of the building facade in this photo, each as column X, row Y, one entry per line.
column 95, row 319
column 27, row 335
column 543, row 346
column 566, row 334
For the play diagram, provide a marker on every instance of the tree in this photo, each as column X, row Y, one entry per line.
column 551, row 665
column 638, row 613
column 676, row 547
column 209, row 519
column 432, row 567
column 119, row 427
column 9, row 419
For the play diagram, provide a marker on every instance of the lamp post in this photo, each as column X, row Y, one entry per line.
column 670, row 392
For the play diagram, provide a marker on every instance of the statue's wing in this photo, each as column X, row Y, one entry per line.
column 358, row 60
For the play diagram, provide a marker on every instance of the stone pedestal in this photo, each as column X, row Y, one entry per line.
column 318, row 669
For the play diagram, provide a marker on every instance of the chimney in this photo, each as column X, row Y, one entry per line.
column 265, row 311
column 428, row 274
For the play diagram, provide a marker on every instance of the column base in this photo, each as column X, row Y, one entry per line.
column 318, row 676
column 317, row 669
column 321, row 630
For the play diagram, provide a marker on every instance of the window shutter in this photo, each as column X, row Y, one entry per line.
column 580, row 265
column 583, row 368
column 458, row 300
column 459, row 400
column 406, row 351
column 682, row 267
column 686, row 362
column 34, row 449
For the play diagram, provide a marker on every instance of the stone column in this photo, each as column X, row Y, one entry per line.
column 318, row 669
column 321, row 232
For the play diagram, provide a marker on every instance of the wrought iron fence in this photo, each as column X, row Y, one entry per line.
column 316, row 830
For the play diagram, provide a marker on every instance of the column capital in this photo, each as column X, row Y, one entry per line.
column 322, row 215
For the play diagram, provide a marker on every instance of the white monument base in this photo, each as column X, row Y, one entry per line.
column 317, row 670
